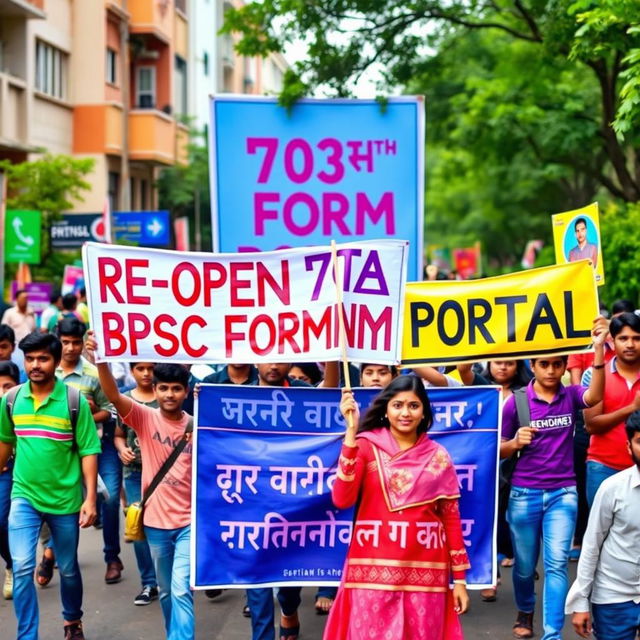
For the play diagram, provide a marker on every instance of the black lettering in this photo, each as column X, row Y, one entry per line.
column 568, row 318
column 510, row 302
column 418, row 321
column 451, row 305
column 477, row 322
column 543, row 306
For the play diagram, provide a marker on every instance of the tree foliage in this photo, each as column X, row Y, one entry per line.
column 184, row 188
column 522, row 98
column 51, row 184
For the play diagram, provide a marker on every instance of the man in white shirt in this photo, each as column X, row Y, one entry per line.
column 609, row 567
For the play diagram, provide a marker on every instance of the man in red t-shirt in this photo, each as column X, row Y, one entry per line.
column 608, row 452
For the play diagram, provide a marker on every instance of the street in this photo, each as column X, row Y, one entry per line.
column 109, row 612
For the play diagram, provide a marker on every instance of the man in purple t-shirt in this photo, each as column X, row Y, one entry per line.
column 543, row 502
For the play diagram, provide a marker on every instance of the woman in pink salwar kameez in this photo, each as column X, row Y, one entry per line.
column 407, row 540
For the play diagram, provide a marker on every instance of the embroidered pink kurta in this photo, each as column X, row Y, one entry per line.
column 407, row 542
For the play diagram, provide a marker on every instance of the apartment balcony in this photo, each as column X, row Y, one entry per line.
column 22, row 9
column 97, row 129
column 13, row 112
column 152, row 136
column 153, row 17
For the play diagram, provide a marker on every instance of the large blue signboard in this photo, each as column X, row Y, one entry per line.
column 325, row 169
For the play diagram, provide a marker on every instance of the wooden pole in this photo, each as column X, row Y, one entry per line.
column 338, row 275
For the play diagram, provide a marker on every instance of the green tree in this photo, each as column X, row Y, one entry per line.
column 184, row 190
column 344, row 38
column 51, row 184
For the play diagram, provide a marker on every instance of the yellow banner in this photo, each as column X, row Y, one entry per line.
column 576, row 236
column 520, row 315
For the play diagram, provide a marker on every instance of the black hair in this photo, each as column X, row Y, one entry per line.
column 133, row 364
column 632, row 426
column 521, row 378
column 71, row 327
column 83, row 292
column 7, row 333
column 170, row 372
column 565, row 359
column 578, row 221
column 620, row 306
column 625, row 319
column 391, row 367
column 37, row 341
column 311, row 370
column 376, row 415
column 55, row 296
column 8, row 368
column 69, row 301
column 18, row 292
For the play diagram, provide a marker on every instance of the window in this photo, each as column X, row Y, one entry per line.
column 180, row 100
column 144, row 186
column 51, row 70
column 112, row 66
column 114, row 189
column 146, row 87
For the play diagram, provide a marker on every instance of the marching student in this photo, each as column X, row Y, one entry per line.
column 53, row 458
column 543, row 501
column 163, row 432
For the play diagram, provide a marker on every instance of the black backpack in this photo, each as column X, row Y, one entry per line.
column 73, row 404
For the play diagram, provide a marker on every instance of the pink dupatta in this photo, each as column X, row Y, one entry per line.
column 418, row 475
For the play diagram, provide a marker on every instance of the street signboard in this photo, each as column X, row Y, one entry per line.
column 143, row 228
column 75, row 229
column 22, row 236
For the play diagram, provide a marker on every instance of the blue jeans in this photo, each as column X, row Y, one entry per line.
column 6, row 480
column 132, row 485
column 550, row 515
column 24, row 526
column 110, row 470
column 170, row 553
column 597, row 473
column 617, row 621
column 260, row 603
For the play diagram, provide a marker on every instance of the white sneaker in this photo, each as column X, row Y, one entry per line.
column 7, row 587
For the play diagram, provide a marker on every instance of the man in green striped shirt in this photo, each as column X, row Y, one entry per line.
column 52, row 460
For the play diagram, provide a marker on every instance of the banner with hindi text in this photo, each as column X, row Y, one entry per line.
column 265, row 459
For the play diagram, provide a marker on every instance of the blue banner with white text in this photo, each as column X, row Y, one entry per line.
column 265, row 462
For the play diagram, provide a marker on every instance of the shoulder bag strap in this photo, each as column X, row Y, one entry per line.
column 11, row 399
column 168, row 463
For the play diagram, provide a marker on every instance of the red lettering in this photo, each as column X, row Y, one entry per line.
column 184, row 335
column 139, row 328
column 265, row 320
column 212, row 283
column 164, row 334
column 310, row 326
column 230, row 336
column 367, row 322
column 288, row 334
column 108, row 280
column 191, row 269
column 236, row 283
column 135, row 281
column 112, row 329
column 282, row 291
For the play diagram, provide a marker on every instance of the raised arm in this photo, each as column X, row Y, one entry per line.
column 595, row 392
column 107, row 381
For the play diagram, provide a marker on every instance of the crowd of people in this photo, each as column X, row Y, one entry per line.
column 79, row 440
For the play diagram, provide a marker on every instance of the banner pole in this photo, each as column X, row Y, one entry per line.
column 339, row 280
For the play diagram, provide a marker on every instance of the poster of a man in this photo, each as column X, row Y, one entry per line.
column 576, row 236
column 584, row 249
